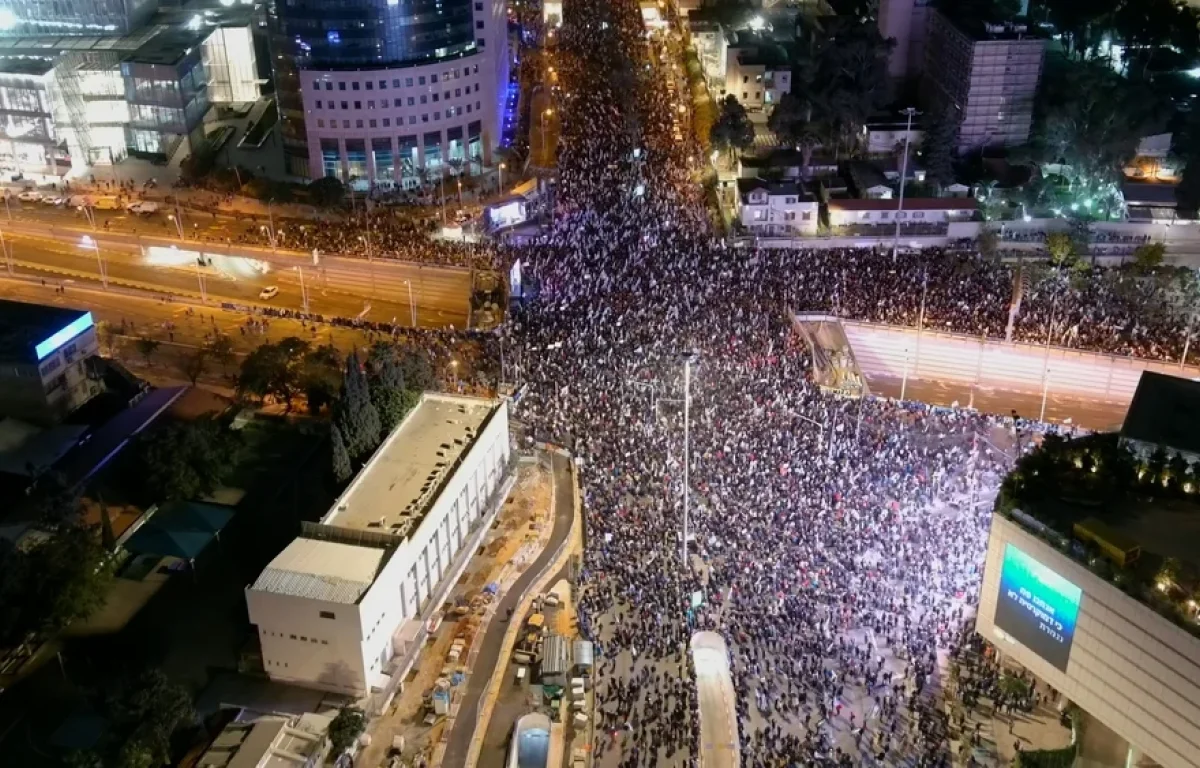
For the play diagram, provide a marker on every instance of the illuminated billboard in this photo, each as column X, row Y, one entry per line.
column 1037, row 607
column 76, row 327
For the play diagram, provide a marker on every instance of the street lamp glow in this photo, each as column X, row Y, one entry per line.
column 757, row 23
column 8, row 19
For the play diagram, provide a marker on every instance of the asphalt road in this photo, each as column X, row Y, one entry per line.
column 336, row 286
column 489, row 650
column 1090, row 414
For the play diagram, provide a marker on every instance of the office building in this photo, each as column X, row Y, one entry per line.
column 1125, row 664
column 20, row 18
column 987, row 75
column 341, row 607
column 382, row 95
column 68, row 103
column 45, row 367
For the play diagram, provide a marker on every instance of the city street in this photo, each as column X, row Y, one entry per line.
column 376, row 290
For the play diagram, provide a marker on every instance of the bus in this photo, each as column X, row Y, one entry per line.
column 1113, row 544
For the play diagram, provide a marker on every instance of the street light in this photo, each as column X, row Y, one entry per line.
column 501, row 178
column 909, row 112
column 545, row 113
column 9, row 260
column 689, row 358
column 303, row 290
column 454, row 367
column 178, row 225
column 89, row 242
column 412, row 305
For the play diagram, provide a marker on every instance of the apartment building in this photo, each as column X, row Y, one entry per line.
column 987, row 74
column 45, row 372
column 780, row 208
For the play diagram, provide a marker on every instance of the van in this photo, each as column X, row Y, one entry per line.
column 269, row 292
column 106, row 204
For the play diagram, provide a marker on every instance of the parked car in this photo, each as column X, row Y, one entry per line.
column 54, row 200
column 29, row 196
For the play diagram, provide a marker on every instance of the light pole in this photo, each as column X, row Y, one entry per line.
column 271, row 224
column 8, row 205
column 459, row 182
column 909, row 112
column 303, row 290
column 412, row 305
column 688, row 359
column 200, row 280
column 7, row 253
column 90, row 242
column 178, row 225
column 442, row 185
column 547, row 112
column 454, row 367
column 501, row 190
column 179, row 221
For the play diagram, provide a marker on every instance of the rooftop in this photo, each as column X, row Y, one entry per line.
column 26, row 327
column 982, row 30
column 1161, row 195
column 321, row 570
column 270, row 741
column 395, row 488
column 1165, row 411
column 772, row 188
column 910, row 204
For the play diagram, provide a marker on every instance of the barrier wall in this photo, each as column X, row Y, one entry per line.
column 1130, row 668
column 896, row 352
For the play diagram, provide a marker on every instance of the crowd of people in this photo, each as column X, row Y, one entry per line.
column 836, row 544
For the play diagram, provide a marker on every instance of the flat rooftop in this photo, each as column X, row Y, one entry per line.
column 393, row 491
column 322, row 570
column 25, row 326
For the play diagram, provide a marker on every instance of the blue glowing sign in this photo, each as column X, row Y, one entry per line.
column 1037, row 607
column 77, row 326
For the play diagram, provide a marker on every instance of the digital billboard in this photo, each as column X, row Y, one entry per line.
column 1037, row 607
column 76, row 327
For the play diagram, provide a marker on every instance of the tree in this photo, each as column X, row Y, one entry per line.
column 193, row 363
column 273, row 369
column 791, row 121
column 320, row 377
column 392, row 401
column 345, row 728
column 416, row 370
column 107, row 538
column 355, row 415
column 733, row 129
column 146, row 347
column 144, row 713
column 327, row 192
column 185, row 460
column 221, row 350
column 988, row 243
column 1149, row 256
column 342, row 469
column 1060, row 248
column 937, row 148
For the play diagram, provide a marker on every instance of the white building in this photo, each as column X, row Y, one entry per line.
column 782, row 208
column 917, row 212
column 754, row 69
column 340, row 608
column 905, row 22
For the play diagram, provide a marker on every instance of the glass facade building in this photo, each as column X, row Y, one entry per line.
column 73, row 17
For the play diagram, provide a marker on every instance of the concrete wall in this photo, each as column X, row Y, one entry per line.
column 1132, row 669
column 302, row 647
column 884, row 350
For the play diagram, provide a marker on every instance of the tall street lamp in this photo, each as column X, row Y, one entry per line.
column 909, row 112
column 412, row 305
column 689, row 358
column 90, row 242
column 545, row 113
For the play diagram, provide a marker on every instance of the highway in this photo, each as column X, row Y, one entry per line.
column 63, row 249
column 719, row 741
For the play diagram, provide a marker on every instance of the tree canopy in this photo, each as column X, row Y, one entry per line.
column 732, row 129
column 185, row 459
column 143, row 713
column 273, row 370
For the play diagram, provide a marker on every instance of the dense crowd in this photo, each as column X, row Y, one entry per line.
column 835, row 544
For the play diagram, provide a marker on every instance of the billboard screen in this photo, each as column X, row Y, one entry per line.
column 1037, row 607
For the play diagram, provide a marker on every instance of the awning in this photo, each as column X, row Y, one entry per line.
column 180, row 529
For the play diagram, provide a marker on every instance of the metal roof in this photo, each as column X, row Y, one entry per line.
column 1165, row 411
column 321, row 570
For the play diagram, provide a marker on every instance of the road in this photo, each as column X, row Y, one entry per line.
column 463, row 730
column 719, row 741
column 157, row 263
column 1090, row 414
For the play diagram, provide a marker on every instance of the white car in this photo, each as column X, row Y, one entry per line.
column 269, row 292
column 30, row 196
column 54, row 200
column 143, row 208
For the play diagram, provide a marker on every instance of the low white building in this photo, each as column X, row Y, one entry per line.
column 340, row 608
column 921, row 212
column 780, row 208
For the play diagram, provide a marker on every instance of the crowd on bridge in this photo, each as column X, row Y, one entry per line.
column 835, row 543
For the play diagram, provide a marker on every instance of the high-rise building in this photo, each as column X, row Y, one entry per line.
column 987, row 74
column 905, row 22
column 73, row 17
column 378, row 93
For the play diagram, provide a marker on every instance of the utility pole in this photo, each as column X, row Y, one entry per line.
column 909, row 112
column 1186, row 342
column 8, row 259
column 412, row 304
column 90, row 242
column 303, row 290
column 688, row 359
